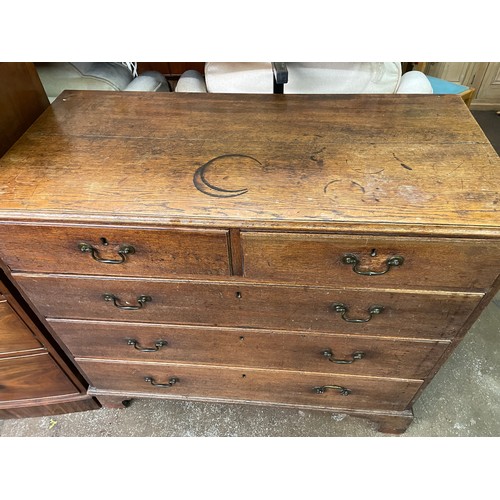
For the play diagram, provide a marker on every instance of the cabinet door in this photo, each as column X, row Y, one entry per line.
column 489, row 91
column 22, row 101
column 483, row 76
column 461, row 73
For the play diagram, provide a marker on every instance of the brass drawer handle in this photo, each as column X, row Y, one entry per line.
column 122, row 252
column 342, row 390
column 152, row 381
column 351, row 259
column 343, row 310
column 141, row 300
column 355, row 356
column 157, row 347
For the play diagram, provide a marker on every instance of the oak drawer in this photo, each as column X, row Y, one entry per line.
column 242, row 384
column 427, row 263
column 144, row 252
column 349, row 355
column 32, row 376
column 404, row 314
column 15, row 336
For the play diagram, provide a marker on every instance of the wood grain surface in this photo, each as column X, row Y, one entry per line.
column 249, row 384
column 382, row 357
column 52, row 406
column 429, row 263
column 296, row 161
column 22, row 101
column 406, row 314
column 164, row 252
column 15, row 336
column 31, row 377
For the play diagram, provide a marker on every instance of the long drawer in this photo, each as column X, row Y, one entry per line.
column 32, row 376
column 115, row 251
column 242, row 384
column 371, row 261
column 370, row 312
column 349, row 355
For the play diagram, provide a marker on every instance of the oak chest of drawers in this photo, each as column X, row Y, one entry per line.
column 324, row 252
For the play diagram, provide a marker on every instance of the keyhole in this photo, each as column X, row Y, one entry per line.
column 373, row 253
column 243, row 376
column 242, row 338
column 104, row 241
column 238, row 295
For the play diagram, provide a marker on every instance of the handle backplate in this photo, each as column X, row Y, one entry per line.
column 342, row 309
column 354, row 261
column 141, row 300
column 172, row 381
column 158, row 345
column 343, row 391
column 355, row 356
column 122, row 252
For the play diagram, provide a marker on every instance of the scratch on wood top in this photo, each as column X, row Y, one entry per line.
column 401, row 163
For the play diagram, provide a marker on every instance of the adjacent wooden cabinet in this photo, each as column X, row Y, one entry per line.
column 35, row 378
column 307, row 251
column 483, row 76
column 22, row 100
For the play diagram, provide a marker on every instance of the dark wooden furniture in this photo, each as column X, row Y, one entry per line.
column 22, row 101
column 35, row 378
column 324, row 252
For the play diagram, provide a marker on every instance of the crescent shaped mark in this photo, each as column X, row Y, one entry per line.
column 203, row 188
column 201, row 183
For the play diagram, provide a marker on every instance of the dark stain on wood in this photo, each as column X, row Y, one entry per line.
column 401, row 163
column 369, row 173
column 313, row 156
column 327, row 185
column 359, row 185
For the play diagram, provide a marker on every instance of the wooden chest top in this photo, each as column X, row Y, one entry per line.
column 383, row 163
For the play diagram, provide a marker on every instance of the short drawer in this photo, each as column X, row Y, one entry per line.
column 15, row 336
column 30, row 377
column 369, row 312
column 371, row 261
column 350, row 355
column 241, row 384
column 114, row 251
